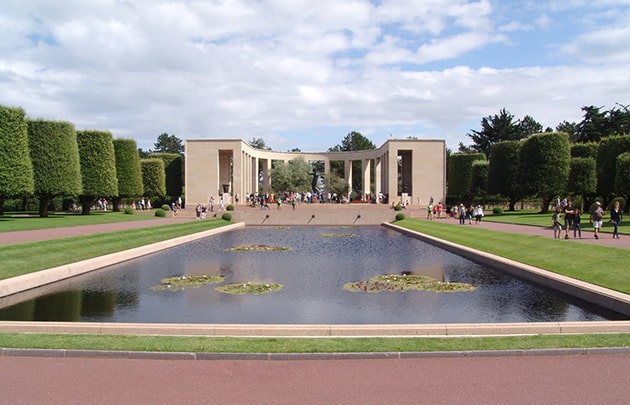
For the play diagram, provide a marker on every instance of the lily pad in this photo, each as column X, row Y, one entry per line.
column 249, row 288
column 396, row 282
column 257, row 248
column 179, row 283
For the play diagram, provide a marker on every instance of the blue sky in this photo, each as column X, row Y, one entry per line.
column 303, row 74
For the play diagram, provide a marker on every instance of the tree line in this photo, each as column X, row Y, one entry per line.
column 45, row 160
column 515, row 159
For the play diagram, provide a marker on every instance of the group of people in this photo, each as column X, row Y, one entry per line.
column 457, row 211
column 573, row 219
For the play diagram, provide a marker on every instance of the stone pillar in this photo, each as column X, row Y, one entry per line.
column 348, row 174
column 366, row 165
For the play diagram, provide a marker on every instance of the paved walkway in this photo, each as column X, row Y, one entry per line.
column 474, row 378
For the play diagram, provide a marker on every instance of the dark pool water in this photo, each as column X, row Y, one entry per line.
column 313, row 273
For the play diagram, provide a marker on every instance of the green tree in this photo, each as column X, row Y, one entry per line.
column 55, row 157
column 570, row 128
column 609, row 149
column 503, row 171
column 153, row 178
column 173, row 168
column 479, row 178
column 529, row 126
column 128, row 172
column 497, row 128
column 168, row 144
column 295, row 175
column 353, row 141
column 258, row 143
column 459, row 175
column 98, row 167
column 16, row 169
column 622, row 176
column 582, row 178
column 544, row 165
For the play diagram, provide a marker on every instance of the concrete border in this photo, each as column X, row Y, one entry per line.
column 29, row 281
column 617, row 301
column 603, row 297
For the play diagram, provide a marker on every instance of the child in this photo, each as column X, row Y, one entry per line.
column 576, row 223
column 556, row 225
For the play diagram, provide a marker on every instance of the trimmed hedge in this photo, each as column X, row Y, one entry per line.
column 160, row 212
column 98, row 167
column 226, row 217
column 128, row 172
column 16, row 169
column 55, row 156
column 153, row 178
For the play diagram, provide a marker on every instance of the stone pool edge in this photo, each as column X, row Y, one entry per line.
column 296, row 330
column 603, row 297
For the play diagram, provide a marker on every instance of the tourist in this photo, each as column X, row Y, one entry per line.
column 462, row 214
column 577, row 229
column 478, row 214
column 597, row 214
column 568, row 217
column 440, row 208
column 615, row 218
column 556, row 225
column 430, row 211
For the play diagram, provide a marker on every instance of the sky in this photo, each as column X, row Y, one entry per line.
column 303, row 74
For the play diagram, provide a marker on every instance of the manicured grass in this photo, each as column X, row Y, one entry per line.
column 20, row 221
column 29, row 257
column 600, row 265
column 306, row 345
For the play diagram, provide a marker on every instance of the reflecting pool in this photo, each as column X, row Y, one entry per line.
column 312, row 273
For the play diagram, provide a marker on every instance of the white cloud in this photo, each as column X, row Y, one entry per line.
column 301, row 73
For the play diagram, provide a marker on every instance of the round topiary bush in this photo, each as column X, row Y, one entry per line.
column 497, row 210
column 397, row 207
column 400, row 217
column 129, row 210
column 165, row 207
column 160, row 212
column 230, row 207
column 226, row 217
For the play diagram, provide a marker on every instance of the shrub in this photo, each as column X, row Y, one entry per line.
column 129, row 210
column 397, row 207
column 497, row 210
column 160, row 212
column 165, row 207
column 400, row 217
column 226, row 217
column 229, row 207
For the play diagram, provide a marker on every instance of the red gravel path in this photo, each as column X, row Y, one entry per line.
column 564, row 379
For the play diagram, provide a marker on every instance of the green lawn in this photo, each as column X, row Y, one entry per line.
column 20, row 221
column 29, row 257
column 306, row 345
column 597, row 264
column 600, row 265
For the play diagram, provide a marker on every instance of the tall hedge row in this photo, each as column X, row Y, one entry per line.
column 544, row 164
column 460, row 174
column 128, row 170
column 55, row 157
column 98, row 167
column 173, row 165
column 153, row 178
column 584, row 150
column 622, row 177
column 609, row 149
column 503, row 171
column 16, row 169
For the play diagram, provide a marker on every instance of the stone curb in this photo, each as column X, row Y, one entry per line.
column 115, row 354
column 604, row 297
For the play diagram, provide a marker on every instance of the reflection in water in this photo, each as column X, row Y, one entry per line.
column 313, row 273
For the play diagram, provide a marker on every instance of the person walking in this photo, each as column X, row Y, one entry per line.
column 577, row 229
column 556, row 225
column 597, row 214
column 615, row 218
column 568, row 218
